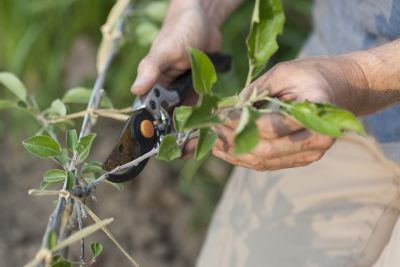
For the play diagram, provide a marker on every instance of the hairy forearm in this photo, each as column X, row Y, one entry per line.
column 381, row 70
column 217, row 10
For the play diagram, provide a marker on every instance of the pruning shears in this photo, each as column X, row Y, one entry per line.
column 150, row 121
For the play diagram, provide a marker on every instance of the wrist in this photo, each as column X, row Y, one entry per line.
column 357, row 91
column 381, row 69
column 216, row 10
column 219, row 10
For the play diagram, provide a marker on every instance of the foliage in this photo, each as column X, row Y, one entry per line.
column 266, row 24
column 210, row 110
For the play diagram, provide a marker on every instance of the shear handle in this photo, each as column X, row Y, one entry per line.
column 183, row 83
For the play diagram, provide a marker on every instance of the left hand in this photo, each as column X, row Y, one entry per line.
column 283, row 142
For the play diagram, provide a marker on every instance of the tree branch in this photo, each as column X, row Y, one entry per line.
column 85, row 191
column 87, row 124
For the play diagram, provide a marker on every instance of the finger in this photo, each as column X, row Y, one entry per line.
column 297, row 142
column 189, row 148
column 149, row 70
column 259, row 85
column 225, row 137
column 300, row 141
column 256, row 163
column 270, row 126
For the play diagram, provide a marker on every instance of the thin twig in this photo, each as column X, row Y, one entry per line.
column 87, row 125
column 85, row 191
column 80, row 225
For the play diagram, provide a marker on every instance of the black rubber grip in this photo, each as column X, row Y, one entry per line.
column 183, row 83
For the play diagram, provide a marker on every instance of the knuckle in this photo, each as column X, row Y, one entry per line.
column 280, row 67
column 315, row 156
column 265, row 150
column 259, row 165
column 318, row 141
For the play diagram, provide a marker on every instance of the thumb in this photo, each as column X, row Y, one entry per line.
column 148, row 73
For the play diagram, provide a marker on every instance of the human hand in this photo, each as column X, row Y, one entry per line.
column 190, row 26
column 283, row 142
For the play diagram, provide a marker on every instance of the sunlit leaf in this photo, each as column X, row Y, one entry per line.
column 42, row 146
column 307, row 114
column 84, row 146
column 266, row 24
column 12, row 83
column 169, row 149
column 54, row 176
column 341, row 117
column 205, row 143
column 203, row 72
column 181, row 114
column 203, row 115
column 246, row 135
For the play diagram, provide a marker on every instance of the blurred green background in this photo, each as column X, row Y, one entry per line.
column 51, row 46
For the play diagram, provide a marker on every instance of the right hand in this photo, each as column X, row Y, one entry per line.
column 168, row 57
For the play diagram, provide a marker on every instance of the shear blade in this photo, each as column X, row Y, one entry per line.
column 130, row 145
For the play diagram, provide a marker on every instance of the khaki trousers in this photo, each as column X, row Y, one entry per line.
column 337, row 212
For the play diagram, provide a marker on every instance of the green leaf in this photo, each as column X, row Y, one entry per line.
column 93, row 167
column 70, row 180
column 54, row 176
column 230, row 101
column 42, row 146
column 246, row 136
column 62, row 159
column 205, row 143
column 80, row 95
column 84, row 146
column 6, row 104
column 57, row 107
column 266, row 24
column 12, row 83
column 203, row 114
column 307, row 114
column 169, row 149
column 96, row 249
column 51, row 240
column 181, row 114
column 203, row 72
column 62, row 263
column 341, row 117
column 72, row 140
column 43, row 185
